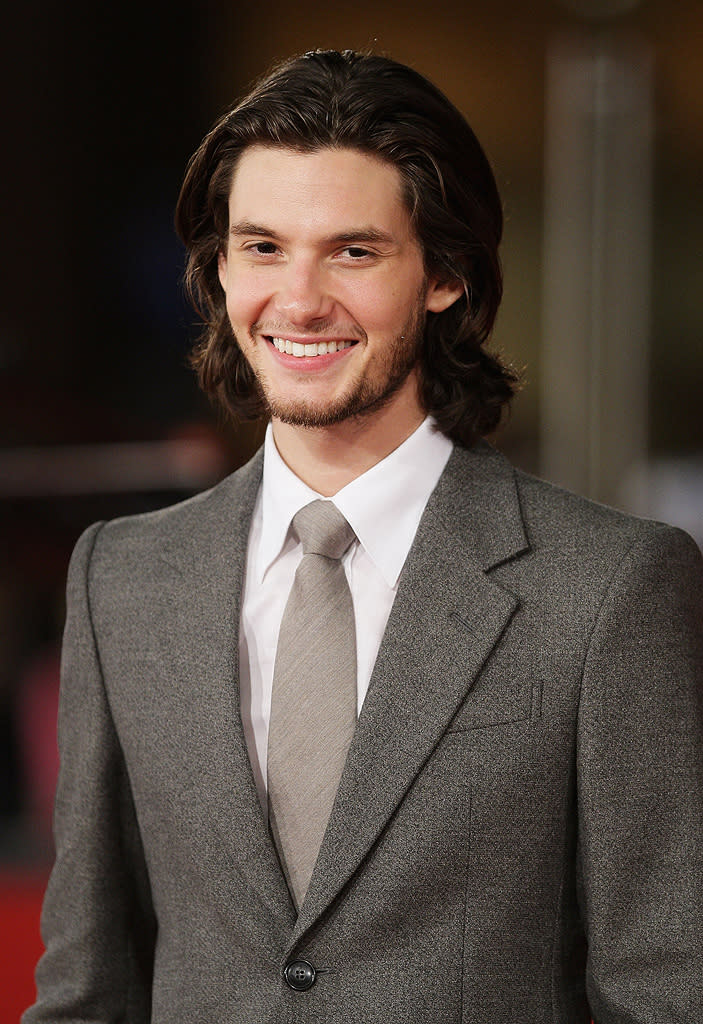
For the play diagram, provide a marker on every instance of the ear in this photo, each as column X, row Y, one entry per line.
column 441, row 294
column 222, row 268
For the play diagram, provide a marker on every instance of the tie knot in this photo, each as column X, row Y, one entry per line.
column 323, row 530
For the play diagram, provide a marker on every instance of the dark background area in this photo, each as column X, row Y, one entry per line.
column 101, row 108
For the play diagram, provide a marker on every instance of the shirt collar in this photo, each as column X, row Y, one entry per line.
column 383, row 506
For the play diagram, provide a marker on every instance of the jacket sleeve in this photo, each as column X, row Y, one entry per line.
column 640, row 788
column 97, row 923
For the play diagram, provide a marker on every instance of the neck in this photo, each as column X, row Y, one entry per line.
column 328, row 458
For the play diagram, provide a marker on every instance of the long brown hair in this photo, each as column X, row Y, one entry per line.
column 378, row 106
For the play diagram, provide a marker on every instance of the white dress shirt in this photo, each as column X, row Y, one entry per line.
column 383, row 506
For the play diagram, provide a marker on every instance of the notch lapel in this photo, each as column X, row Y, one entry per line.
column 211, row 561
column 446, row 619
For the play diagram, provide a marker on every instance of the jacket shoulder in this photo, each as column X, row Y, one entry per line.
column 228, row 504
column 555, row 515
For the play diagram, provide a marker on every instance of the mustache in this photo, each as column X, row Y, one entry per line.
column 349, row 331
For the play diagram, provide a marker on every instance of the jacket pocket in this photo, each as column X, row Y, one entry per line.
column 495, row 705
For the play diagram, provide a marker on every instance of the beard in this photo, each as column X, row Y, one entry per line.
column 364, row 396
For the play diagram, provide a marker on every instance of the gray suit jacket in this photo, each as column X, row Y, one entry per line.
column 518, row 833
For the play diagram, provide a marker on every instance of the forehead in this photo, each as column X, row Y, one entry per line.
column 327, row 184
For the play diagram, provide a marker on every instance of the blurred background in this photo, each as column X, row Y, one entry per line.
column 591, row 112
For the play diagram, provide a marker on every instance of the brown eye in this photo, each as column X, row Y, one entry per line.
column 263, row 248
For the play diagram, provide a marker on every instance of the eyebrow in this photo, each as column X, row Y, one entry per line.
column 246, row 227
column 364, row 233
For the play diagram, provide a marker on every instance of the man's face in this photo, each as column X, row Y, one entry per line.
column 325, row 285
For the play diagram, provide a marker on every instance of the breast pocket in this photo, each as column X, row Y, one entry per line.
column 494, row 702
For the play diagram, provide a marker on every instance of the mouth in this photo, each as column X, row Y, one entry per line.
column 309, row 349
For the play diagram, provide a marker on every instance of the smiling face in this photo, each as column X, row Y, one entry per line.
column 325, row 285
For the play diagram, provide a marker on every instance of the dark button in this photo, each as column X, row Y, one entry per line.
column 300, row 975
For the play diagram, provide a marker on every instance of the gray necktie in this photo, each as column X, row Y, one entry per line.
column 313, row 704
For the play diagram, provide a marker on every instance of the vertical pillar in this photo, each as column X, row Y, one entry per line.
column 596, row 293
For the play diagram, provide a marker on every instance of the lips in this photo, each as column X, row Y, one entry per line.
column 309, row 349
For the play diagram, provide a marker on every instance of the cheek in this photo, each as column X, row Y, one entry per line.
column 378, row 307
column 244, row 301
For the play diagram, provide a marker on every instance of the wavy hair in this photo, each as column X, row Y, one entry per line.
column 380, row 107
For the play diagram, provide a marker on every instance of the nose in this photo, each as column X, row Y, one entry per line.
column 302, row 296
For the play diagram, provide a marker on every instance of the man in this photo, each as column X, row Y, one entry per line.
column 512, row 830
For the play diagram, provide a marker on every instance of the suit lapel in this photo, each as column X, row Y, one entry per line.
column 447, row 617
column 212, row 562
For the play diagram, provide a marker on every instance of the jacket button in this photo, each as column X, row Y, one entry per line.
column 300, row 975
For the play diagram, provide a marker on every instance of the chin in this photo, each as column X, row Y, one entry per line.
column 312, row 414
column 362, row 402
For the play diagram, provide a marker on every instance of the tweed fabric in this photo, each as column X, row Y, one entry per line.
column 313, row 703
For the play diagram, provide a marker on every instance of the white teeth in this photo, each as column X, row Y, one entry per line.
column 295, row 348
